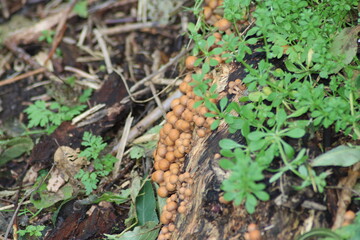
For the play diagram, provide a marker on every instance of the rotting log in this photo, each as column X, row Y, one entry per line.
column 283, row 217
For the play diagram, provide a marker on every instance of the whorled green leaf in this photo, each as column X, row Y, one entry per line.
column 342, row 156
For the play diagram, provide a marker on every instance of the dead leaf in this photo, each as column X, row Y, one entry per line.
column 345, row 44
column 67, row 165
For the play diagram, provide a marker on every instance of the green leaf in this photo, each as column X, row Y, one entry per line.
column 257, row 145
column 161, row 202
column 148, row 231
column 80, row 9
column 117, row 198
column 251, row 40
column 216, row 51
column 135, row 186
column 298, row 112
column 85, row 96
column 276, row 176
column 210, row 40
column 228, row 144
column 205, row 68
column 42, row 198
column 250, row 203
column 146, row 205
column 342, row 156
column 14, row 148
column 345, row 44
column 213, row 62
column 226, row 164
column 215, row 124
column 197, row 104
column 295, row 133
column 137, row 152
column 256, row 135
column 262, row 195
column 291, row 67
column 38, row 114
column 289, row 150
column 256, row 96
column 223, row 103
column 280, row 116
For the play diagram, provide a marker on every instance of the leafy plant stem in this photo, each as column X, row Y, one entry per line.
column 284, row 158
column 352, row 111
column 313, row 183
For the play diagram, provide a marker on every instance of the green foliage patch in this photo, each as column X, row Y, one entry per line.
column 317, row 89
column 102, row 165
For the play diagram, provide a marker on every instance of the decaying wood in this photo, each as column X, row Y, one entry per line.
column 209, row 219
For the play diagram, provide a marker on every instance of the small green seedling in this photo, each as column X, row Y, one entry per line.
column 31, row 231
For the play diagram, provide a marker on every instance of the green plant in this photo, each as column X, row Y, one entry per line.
column 81, row 8
column 47, row 36
column 32, row 231
column 140, row 150
column 309, row 94
column 241, row 186
column 102, row 165
column 50, row 116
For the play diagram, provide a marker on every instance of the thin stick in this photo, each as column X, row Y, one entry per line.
column 60, row 30
column 5, row 9
column 20, row 53
column 128, row 28
column 81, row 73
column 162, row 69
column 104, row 50
column 153, row 89
column 132, row 95
column 157, row 99
column 87, row 113
column 13, row 205
column 149, row 120
column 22, row 76
column 122, row 144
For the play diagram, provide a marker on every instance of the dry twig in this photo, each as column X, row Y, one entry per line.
column 128, row 28
column 22, row 76
column 345, row 196
column 162, row 69
column 122, row 144
column 149, row 120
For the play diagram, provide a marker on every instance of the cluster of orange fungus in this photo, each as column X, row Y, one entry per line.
column 212, row 16
column 175, row 142
column 236, row 86
column 253, row 232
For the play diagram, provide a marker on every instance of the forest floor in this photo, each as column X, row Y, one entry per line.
column 69, row 175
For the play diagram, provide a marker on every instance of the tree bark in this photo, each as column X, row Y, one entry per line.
column 282, row 217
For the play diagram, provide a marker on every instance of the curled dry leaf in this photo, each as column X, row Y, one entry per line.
column 67, row 165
